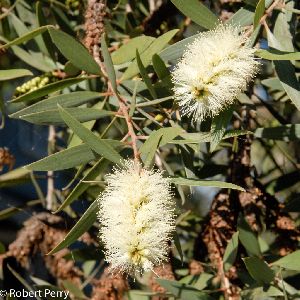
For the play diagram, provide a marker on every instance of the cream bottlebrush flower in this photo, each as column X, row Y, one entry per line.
column 137, row 218
column 214, row 69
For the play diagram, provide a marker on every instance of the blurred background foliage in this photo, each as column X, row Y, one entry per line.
column 74, row 75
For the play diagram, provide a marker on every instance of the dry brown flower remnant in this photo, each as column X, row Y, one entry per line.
column 94, row 27
column 6, row 158
column 110, row 287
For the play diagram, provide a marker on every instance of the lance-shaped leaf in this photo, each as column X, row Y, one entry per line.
column 74, row 51
column 290, row 262
column 46, row 36
column 231, row 251
column 285, row 71
column 273, row 54
column 127, row 52
column 287, row 133
column 183, row 290
column 198, row 12
column 47, row 89
column 157, row 138
column 68, row 158
column 259, row 12
column 146, row 56
column 99, row 146
column 65, row 100
column 145, row 76
column 108, row 64
column 52, row 117
column 83, row 225
column 14, row 73
column 82, row 186
column 218, row 127
column 26, row 37
column 248, row 237
column 212, row 183
column 259, row 270
column 173, row 52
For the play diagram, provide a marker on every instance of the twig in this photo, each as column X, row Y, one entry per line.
column 7, row 11
column 97, row 56
column 269, row 10
column 50, row 177
column 124, row 109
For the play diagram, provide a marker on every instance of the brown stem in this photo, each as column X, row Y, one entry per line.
column 131, row 132
column 270, row 9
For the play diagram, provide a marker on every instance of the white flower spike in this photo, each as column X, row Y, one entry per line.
column 214, row 69
column 137, row 219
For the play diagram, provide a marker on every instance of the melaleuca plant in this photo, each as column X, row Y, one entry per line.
column 178, row 123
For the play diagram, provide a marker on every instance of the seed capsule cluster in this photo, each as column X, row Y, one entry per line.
column 35, row 83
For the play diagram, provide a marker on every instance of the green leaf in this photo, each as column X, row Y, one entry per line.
column 161, row 70
column 68, row 158
column 82, row 186
column 218, row 127
column 28, row 36
column 248, row 238
column 178, row 245
column 235, row 132
column 47, row 89
column 71, row 70
column 286, row 74
column 108, row 64
column 259, row 12
column 74, row 51
column 127, row 52
column 173, row 52
column 262, row 293
column 212, row 183
column 290, row 132
column 273, row 54
column 231, row 251
column 84, row 224
column 290, row 262
column 65, row 100
column 182, row 290
column 34, row 59
column 199, row 282
column 146, row 56
column 45, row 36
column 198, row 13
column 153, row 102
column 14, row 73
column 53, row 117
column 145, row 76
column 98, row 145
column 157, row 138
column 243, row 17
column 259, row 270
column 73, row 289
column 193, row 138
column 14, row 177
column 273, row 83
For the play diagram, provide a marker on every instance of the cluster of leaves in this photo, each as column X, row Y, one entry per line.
column 46, row 38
